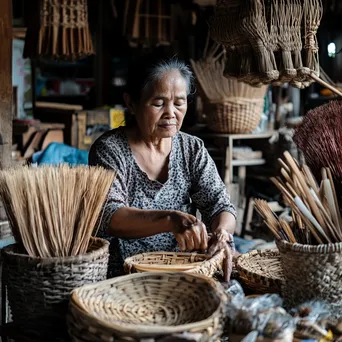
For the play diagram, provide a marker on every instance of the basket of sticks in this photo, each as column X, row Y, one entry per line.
column 53, row 212
column 175, row 262
column 150, row 306
column 310, row 245
column 261, row 271
column 230, row 106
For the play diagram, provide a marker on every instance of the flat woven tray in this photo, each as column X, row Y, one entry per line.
column 261, row 271
column 174, row 262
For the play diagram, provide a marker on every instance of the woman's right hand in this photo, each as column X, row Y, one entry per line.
column 190, row 233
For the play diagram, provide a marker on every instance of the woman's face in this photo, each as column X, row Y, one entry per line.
column 162, row 108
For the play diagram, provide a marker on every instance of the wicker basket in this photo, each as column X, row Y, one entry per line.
column 261, row 271
column 312, row 272
column 175, row 262
column 39, row 289
column 236, row 115
column 151, row 306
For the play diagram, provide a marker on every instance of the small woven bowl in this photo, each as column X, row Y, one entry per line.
column 261, row 271
column 174, row 262
column 147, row 306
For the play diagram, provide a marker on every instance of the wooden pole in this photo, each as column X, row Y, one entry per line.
column 5, row 83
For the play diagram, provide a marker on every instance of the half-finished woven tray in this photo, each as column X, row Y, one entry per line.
column 261, row 271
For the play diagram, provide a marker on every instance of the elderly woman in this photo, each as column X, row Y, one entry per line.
column 163, row 175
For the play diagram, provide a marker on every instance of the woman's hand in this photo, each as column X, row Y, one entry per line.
column 190, row 233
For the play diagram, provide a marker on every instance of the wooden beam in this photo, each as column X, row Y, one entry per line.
column 5, row 83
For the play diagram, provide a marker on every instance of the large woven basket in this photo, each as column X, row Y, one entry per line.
column 39, row 289
column 151, row 306
column 237, row 115
column 312, row 272
column 261, row 271
column 175, row 262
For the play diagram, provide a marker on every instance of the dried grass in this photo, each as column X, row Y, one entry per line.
column 53, row 211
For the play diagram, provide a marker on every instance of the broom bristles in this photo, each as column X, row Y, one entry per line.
column 53, row 211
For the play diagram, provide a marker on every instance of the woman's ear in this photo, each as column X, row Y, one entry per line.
column 129, row 102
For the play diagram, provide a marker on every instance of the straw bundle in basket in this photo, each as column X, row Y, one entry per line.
column 148, row 306
column 175, row 262
column 53, row 212
column 261, row 271
column 61, row 31
column 230, row 106
column 311, row 245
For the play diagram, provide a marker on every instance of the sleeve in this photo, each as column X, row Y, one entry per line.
column 208, row 192
column 101, row 155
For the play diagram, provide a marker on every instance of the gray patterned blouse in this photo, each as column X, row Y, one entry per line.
column 193, row 182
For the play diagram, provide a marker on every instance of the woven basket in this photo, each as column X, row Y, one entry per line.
column 312, row 272
column 261, row 271
column 174, row 262
column 39, row 289
column 150, row 307
column 236, row 115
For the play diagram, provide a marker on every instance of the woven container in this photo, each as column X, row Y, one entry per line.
column 237, row 115
column 39, row 289
column 312, row 272
column 150, row 306
column 175, row 262
column 261, row 271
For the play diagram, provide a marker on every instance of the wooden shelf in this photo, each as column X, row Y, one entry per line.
column 251, row 162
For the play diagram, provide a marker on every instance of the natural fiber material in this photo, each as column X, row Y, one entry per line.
column 311, row 273
column 175, row 262
column 261, row 271
column 236, row 115
column 148, row 306
column 63, row 31
column 53, row 211
column 39, row 289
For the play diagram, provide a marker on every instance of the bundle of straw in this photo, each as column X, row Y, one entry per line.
column 319, row 137
column 53, row 210
column 62, row 31
column 315, row 210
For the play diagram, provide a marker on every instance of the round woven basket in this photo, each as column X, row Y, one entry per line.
column 150, row 306
column 175, row 262
column 236, row 115
column 39, row 289
column 312, row 272
column 261, row 271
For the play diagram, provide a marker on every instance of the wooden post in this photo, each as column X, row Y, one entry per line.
column 5, row 88
column 5, row 83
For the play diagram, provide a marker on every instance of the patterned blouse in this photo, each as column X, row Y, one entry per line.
column 193, row 182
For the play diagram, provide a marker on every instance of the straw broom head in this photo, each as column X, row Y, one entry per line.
column 53, row 211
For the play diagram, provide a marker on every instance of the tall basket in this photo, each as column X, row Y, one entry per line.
column 39, row 289
column 312, row 273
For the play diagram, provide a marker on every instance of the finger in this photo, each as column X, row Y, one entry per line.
column 188, row 241
column 196, row 236
column 181, row 242
column 204, row 238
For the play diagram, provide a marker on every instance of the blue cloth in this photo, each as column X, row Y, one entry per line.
column 58, row 153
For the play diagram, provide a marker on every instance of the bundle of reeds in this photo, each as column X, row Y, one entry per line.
column 319, row 137
column 315, row 209
column 53, row 211
column 61, row 31
column 216, row 87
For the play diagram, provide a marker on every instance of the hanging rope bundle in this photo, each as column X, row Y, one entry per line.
column 62, row 31
column 281, row 34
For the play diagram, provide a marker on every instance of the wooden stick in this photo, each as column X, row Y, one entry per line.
column 325, row 84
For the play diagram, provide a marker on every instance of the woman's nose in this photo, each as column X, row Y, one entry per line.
column 169, row 111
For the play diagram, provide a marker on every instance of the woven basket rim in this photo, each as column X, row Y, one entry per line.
column 228, row 100
column 141, row 329
column 8, row 251
column 242, row 268
column 310, row 249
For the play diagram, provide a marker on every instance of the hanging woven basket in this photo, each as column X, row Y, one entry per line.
column 60, row 31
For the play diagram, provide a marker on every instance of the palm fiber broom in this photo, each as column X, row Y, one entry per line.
column 53, row 211
column 319, row 137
